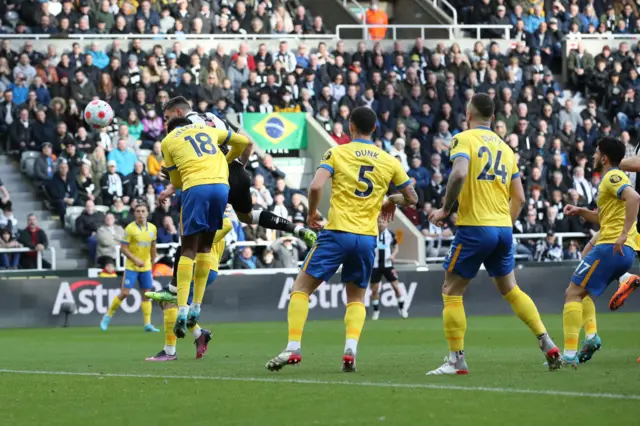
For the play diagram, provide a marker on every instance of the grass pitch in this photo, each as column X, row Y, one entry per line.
column 81, row 376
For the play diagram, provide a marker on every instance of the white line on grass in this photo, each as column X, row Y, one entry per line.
column 335, row 383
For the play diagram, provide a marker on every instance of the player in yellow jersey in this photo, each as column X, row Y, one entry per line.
column 612, row 254
column 199, row 168
column 361, row 174
column 486, row 183
column 168, row 302
column 139, row 247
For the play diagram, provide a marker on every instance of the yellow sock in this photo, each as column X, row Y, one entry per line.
column 455, row 322
column 571, row 321
column 146, row 311
column 354, row 321
column 115, row 304
column 201, row 274
column 526, row 310
column 297, row 317
column 170, row 316
column 185, row 275
column 589, row 316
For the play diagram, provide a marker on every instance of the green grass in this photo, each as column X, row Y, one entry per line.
column 501, row 354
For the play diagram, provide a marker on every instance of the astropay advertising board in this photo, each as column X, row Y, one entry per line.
column 240, row 297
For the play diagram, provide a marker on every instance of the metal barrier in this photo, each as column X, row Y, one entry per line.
column 39, row 257
column 453, row 29
column 176, row 37
column 454, row 12
column 560, row 236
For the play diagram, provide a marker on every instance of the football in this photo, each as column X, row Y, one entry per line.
column 98, row 114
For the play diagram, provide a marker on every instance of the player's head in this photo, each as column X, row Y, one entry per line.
column 176, row 107
column 174, row 123
column 480, row 109
column 362, row 121
column 610, row 151
column 141, row 212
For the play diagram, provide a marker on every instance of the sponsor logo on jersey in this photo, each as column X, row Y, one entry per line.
column 615, row 179
column 332, row 296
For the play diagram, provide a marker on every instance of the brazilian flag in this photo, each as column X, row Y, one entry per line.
column 276, row 131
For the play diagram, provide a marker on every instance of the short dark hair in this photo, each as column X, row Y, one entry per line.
column 613, row 148
column 178, row 101
column 483, row 104
column 174, row 123
column 364, row 119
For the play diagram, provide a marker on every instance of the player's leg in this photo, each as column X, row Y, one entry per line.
column 201, row 336
column 322, row 261
column 240, row 199
column 500, row 264
column 168, row 352
column 392, row 276
column 376, row 276
column 128, row 281
column 592, row 341
column 145, row 279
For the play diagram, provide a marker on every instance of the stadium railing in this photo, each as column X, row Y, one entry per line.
column 454, row 29
column 560, row 238
column 176, row 37
column 39, row 257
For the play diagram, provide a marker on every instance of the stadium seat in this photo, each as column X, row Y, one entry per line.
column 143, row 155
column 70, row 218
column 27, row 162
column 102, row 209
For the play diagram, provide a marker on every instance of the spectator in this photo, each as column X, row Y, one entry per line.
column 73, row 158
column 338, row 135
column 8, row 241
column 8, row 220
column 21, row 133
column 123, row 158
column 98, row 164
column 164, row 210
column 168, row 233
column 82, row 91
column 255, row 233
column 376, row 16
column 246, row 259
column 270, row 172
column 43, row 166
column 62, row 190
column 421, row 176
column 548, row 250
column 8, row 112
column 138, row 181
column 573, row 251
column 261, row 192
column 287, row 250
column 87, row 225
column 268, row 260
column 108, row 237
column 238, row 73
column 34, row 238
column 155, row 161
column 580, row 64
column 113, row 184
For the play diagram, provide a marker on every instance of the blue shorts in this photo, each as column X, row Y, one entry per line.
column 355, row 252
column 474, row 245
column 145, row 279
column 601, row 266
column 203, row 208
column 210, row 279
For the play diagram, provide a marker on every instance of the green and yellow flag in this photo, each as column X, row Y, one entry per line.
column 277, row 131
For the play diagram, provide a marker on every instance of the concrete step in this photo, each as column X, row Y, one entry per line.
column 27, row 206
column 78, row 264
column 18, row 196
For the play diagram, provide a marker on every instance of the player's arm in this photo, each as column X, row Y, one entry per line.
column 237, row 142
column 457, row 177
column 407, row 195
column 517, row 200
column 249, row 149
column 586, row 214
column 591, row 244
column 323, row 174
column 124, row 249
column 154, row 252
column 631, row 164
column 172, row 168
column 632, row 203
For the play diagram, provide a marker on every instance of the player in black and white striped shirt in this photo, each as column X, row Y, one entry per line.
column 386, row 251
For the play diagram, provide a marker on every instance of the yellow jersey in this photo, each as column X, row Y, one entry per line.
column 361, row 175
column 193, row 151
column 484, row 199
column 140, row 239
column 611, row 209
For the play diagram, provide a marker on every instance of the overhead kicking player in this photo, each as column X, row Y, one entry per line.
column 239, row 179
column 486, row 183
column 386, row 250
column 139, row 247
column 168, row 303
column 361, row 174
column 199, row 168
column 614, row 251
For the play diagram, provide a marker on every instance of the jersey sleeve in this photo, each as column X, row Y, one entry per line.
column 166, row 154
column 400, row 177
column 616, row 182
column 460, row 147
column 328, row 161
column 128, row 238
column 515, row 170
column 155, row 232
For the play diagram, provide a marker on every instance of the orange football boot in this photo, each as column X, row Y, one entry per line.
column 625, row 289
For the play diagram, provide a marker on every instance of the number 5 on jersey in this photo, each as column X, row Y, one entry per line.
column 364, row 179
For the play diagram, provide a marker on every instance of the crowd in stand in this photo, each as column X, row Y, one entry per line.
column 419, row 93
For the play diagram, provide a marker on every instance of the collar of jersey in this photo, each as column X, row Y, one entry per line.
column 140, row 228
column 370, row 142
column 483, row 127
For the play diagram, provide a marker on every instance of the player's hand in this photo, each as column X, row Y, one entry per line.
column 619, row 245
column 164, row 195
column 163, row 173
column 388, row 210
column 437, row 217
column 313, row 220
column 139, row 263
column 570, row 210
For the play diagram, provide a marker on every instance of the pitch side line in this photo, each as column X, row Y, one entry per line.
column 335, row 383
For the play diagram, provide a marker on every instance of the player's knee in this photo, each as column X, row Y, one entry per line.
column 244, row 217
column 574, row 293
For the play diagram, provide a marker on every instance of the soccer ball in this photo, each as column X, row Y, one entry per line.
column 98, row 114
